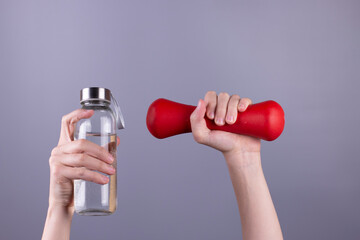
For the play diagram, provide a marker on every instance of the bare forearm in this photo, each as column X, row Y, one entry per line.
column 58, row 223
column 258, row 216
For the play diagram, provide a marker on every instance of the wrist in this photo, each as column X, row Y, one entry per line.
column 58, row 210
column 242, row 160
column 58, row 222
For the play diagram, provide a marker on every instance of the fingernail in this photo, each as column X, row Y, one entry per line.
column 230, row 118
column 111, row 169
column 105, row 179
column 211, row 115
column 219, row 121
column 242, row 107
column 111, row 158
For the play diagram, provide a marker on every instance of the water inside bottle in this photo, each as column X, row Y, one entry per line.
column 92, row 198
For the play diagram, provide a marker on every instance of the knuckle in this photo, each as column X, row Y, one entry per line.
column 224, row 95
column 74, row 120
column 235, row 97
column 81, row 158
column 51, row 160
column 101, row 166
column 210, row 99
column 56, row 170
column 210, row 93
column 248, row 100
column 64, row 119
column 54, row 151
column 81, row 172
column 198, row 137
column 81, row 143
column 103, row 153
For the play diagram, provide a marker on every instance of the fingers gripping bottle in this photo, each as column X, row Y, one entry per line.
column 90, row 198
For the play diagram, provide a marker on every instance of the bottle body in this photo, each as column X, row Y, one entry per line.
column 90, row 198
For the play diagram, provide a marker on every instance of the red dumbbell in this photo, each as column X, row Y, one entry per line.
column 263, row 120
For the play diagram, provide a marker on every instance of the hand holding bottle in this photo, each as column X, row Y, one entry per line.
column 76, row 160
column 68, row 161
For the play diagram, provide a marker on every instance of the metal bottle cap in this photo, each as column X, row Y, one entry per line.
column 97, row 93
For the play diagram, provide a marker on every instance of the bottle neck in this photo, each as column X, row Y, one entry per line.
column 95, row 103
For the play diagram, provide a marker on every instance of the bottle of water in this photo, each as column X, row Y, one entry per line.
column 93, row 199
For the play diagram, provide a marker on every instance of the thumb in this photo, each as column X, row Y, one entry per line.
column 198, row 125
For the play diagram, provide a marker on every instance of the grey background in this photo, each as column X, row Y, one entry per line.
column 303, row 54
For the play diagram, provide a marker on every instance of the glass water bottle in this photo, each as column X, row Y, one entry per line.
column 90, row 198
